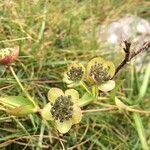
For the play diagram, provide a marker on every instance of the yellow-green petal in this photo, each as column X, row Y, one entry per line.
column 77, row 114
column 46, row 114
column 54, row 93
column 66, row 80
column 74, row 95
column 107, row 86
column 63, row 127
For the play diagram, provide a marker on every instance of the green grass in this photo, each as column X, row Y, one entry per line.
column 52, row 34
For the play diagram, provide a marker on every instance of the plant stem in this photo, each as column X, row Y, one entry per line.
column 98, row 110
column 102, row 98
column 140, row 130
column 95, row 91
column 85, row 87
column 22, row 88
column 39, row 145
column 138, row 111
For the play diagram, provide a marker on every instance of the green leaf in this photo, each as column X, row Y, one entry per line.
column 21, row 110
column 14, row 101
column 86, row 99
column 17, row 105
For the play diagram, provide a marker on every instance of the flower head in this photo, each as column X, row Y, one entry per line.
column 74, row 74
column 63, row 109
column 100, row 70
column 8, row 55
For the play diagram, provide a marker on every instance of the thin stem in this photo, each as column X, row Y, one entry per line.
column 22, row 88
column 127, row 108
column 20, row 124
column 39, row 145
column 140, row 130
column 85, row 87
column 98, row 110
column 138, row 111
column 102, row 98
column 95, row 91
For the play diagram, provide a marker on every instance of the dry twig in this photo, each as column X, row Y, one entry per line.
column 130, row 55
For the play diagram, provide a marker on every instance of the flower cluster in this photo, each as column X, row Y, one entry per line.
column 98, row 71
column 63, row 108
column 74, row 74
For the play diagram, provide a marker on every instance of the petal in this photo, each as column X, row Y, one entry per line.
column 54, row 93
column 77, row 114
column 46, row 114
column 66, row 80
column 107, row 86
column 70, row 83
column 63, row 127
column 74, row 95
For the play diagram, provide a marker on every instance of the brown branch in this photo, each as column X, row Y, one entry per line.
column 145, row 46
column 129, row 55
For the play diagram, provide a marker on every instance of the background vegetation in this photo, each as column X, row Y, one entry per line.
column 51, row 34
